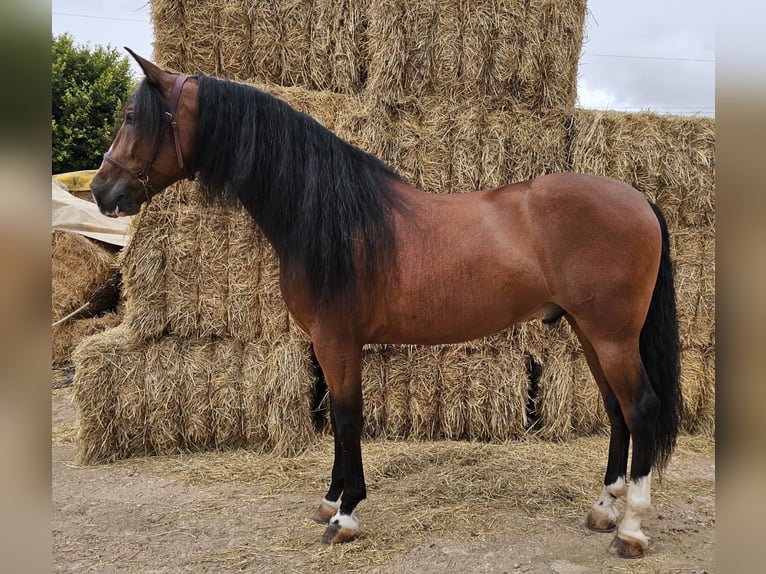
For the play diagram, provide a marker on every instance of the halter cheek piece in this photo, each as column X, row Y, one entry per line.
column 142, row 175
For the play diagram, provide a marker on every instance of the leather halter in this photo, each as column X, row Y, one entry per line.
column 142, row 175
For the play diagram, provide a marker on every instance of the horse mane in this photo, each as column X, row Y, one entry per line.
column 324, row 204
column 149, row 108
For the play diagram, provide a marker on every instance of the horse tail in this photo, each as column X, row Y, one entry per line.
column 660, row 349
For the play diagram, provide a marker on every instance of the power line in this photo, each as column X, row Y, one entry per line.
column 101, row 17
column 661, row 58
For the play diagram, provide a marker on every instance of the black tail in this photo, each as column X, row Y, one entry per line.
column 660, row 352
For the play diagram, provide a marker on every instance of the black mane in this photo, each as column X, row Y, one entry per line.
column 149, row 108
column 319, row 200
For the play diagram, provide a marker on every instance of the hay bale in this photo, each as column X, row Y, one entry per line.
column 693, row 252
column 66, row 336
column 182, row 261
column 397, row 406
column 246, row 245
column 671, row 159
column 588, row 412
column 144, row 263
column 288, row 380
column 523, row 52
column 79, row 266
column 255, row 391
column 103, row 364
column 182, row 394
column 454, row 409
column 213, row 298
column 374, row 388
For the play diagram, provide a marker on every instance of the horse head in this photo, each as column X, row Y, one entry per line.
column 154, row 144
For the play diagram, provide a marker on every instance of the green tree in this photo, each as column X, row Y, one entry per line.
column 89, row 88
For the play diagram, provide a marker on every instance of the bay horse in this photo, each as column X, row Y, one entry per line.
column 366, row 258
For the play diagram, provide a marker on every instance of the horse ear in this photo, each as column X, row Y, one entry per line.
column 154, row 73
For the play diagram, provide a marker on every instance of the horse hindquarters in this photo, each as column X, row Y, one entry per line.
column 638, row 376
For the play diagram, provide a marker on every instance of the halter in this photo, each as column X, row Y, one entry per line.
column 142, row 175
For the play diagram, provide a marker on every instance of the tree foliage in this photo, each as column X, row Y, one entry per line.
column 89, row 88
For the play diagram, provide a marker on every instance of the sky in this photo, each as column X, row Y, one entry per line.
column 647, row 55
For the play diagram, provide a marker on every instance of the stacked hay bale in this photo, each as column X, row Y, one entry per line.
column 80, row 267
column 672, row 161
column 455, row 96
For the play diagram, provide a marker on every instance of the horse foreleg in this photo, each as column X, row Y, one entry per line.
column 331, row 501
column 343, row 372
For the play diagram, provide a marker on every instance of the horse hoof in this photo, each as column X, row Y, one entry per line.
column 325, row 512
column 600, row 523
column 627, row 548
column 342, row 528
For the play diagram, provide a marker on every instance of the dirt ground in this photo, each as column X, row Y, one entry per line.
column 431, row 508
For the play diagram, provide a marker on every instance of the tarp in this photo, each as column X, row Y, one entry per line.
column 70, row 213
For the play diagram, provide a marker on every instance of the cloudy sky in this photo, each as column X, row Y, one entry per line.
column 653, row 55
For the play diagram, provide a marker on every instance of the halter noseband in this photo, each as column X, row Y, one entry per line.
column 142, row 175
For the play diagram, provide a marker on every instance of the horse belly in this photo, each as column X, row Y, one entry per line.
column 451, row 310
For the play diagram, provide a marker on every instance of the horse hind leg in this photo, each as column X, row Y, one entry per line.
column 603, row 515
column 624, row 371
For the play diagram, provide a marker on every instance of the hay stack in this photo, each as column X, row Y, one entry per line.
column 521, row 52
column 183, row 394
column 78, row 267
column 510, row 51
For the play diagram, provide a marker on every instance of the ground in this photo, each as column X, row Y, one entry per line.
column 432, row 508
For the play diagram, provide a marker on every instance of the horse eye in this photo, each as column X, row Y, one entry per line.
column 130, row 118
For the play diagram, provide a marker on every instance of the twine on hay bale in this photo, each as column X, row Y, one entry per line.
column 79, row 266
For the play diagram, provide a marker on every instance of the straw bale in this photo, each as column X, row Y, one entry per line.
column 693, row 251
column 78, row 267
column 374, row 387
column 337, row 46
column 275, row 320
column 705, row 422
column 288, row 380
column 397, row 405
column 144, row 262
column 181, row 394
column 454, row 409
column 505, row 404
column 697, row 375
column 225, row 365
column 588, row 412
column 212, row 271
column 520, row 51
column 103, row 363
column 255, row 391
column 181, row 270
column 66, row 336
column 420, row 365
column 246, row 244
column 164, row 362
column 670, row 159
column 552, row 348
